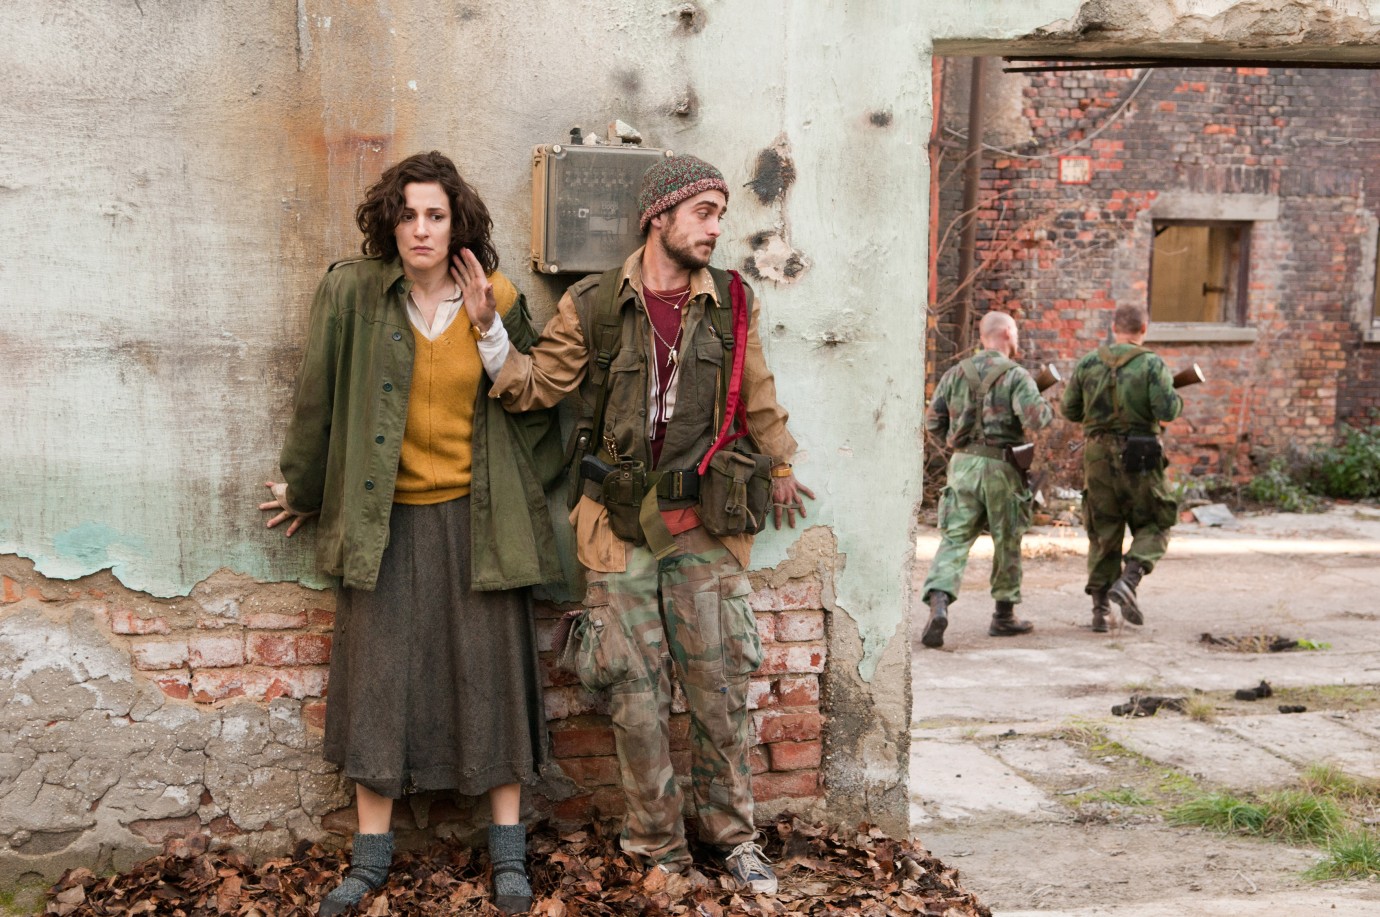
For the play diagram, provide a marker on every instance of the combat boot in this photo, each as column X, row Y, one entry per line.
column 1006, row 624
column 1123, row 591
column 1102, row 610
column 939, row 619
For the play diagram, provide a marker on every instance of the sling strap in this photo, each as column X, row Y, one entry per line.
column 1115, row 363
column 980, row 387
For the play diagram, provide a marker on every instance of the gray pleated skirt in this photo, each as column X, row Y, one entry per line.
column 433, row 686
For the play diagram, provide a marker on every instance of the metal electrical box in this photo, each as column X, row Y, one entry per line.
column 584, row 205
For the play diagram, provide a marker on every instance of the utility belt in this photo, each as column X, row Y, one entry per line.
column 1019, row 456
column 1139, row 452
column 731, row 498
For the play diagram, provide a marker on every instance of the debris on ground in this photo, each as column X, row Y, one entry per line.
column 1261, row 690
column 1148, row 705
column 1213, row 514
column 1252, row 643
column 574, row 874
column 1292, row 708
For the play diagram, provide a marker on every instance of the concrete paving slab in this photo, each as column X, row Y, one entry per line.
column 1311, row 738
column 951, row 780
column 1339, row 903
column 1048, row 759
column 1211, row 753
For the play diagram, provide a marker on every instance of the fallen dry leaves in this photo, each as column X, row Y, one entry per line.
column 823, row 873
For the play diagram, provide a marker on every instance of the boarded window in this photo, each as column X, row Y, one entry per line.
column 1197, row 272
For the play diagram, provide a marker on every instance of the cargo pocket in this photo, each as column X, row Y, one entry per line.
column 1025, row 510
column 738, row 625
column 603, row 656
column 946, row 505
column 1166, row 508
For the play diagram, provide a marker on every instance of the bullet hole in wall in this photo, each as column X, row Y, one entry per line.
column 690, row 18
column 880, row 118
column 688, row 105
column 774, row 173
column 630, row 81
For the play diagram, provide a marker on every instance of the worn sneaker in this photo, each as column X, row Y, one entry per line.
column 751, row 869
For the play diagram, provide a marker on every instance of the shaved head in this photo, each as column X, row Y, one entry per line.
column 997, row 330
column 1130, row 318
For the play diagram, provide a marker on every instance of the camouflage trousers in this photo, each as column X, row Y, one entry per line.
column 687, row 615
column 981, row 493
column 1115, row 499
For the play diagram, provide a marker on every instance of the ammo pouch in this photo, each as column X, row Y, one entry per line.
column 1142, row 453
column 735, row 493
column 623, row 490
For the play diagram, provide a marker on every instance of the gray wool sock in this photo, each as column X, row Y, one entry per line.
column 508, row 849
column 370, row 857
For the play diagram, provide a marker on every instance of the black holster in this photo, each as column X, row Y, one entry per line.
column 1142, row 453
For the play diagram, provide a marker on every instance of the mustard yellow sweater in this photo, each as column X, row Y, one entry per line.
column 435, row 463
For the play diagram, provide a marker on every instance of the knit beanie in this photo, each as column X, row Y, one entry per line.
column 673, row 180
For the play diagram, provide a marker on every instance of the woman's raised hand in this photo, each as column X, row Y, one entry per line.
column 480, row 303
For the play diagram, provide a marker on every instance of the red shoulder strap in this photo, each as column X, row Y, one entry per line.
column 735, row 408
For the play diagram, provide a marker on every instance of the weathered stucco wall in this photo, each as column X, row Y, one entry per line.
column 173, row 179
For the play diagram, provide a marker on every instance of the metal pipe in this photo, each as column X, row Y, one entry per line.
column 972, row 173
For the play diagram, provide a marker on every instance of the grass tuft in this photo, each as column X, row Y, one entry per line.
column 1351, row 854
column 1201, row 709
column 1295, row 816
column 1328, row 780
column 1123, row 796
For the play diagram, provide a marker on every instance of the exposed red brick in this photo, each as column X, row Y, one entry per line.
column 799, row 626
column 766, row 626
column 759, row 693
column 210, row 685
column 798, row 691
column 271, row 649
column 794, row 756
column 224, row 826
column 177, row 684
column 779, row 726
column 124, row 621
column 151, row 655
column 342, row 821
column 320, row 617
column 582, row 741
column 573, row 811
column 314, row 713
column 268, row 620
column 758, row 759
column 793, row 658
column 314, row 649
column 214, row 652
column 591, row 772
column 791, row 784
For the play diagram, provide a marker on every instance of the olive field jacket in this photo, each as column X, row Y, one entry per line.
column 340, row 455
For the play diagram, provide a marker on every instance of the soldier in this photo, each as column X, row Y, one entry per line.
column 1123, row 394
column 665, row 353
column 983, row 405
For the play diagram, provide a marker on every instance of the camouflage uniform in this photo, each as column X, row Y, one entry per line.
column 1137, row 402
column 983, row 491
column 687, row 614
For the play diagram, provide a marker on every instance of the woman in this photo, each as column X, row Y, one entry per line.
column 432, row 514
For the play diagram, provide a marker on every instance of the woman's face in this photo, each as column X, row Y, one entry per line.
column 423, row 230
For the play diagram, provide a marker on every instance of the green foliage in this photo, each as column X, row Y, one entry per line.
column 1314, row 645
column 1350, row 469
column 1276, row 486
column 1123, row 796
column 1291, row 815
column 1351, row 854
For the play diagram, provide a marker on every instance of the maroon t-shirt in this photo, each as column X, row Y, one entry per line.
column 664, row 310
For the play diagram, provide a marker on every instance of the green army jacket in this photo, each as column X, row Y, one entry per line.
column 1144, row 394
column 1011, row 409
column 340, row 455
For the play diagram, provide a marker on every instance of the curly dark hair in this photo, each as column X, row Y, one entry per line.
column 470, row 224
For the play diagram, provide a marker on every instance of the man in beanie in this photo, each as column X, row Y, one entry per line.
column 664, row 596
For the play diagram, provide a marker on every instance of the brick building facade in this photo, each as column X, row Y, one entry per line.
column 1083, row 170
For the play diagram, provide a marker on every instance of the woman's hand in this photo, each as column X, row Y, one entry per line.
column 785, row 495
column 480, row 303
column 279, row 502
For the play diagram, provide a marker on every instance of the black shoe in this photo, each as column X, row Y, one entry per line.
column 1102, row 610
column 1006, row 624
column 939, row 620
column 1123, row 592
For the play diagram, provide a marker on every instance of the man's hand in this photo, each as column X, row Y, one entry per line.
column 279, row 502
column 479, row 300
column 785, row 495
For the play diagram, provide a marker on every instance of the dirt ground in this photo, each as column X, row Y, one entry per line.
column 1018, row 765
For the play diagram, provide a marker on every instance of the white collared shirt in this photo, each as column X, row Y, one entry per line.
column 493, row 347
